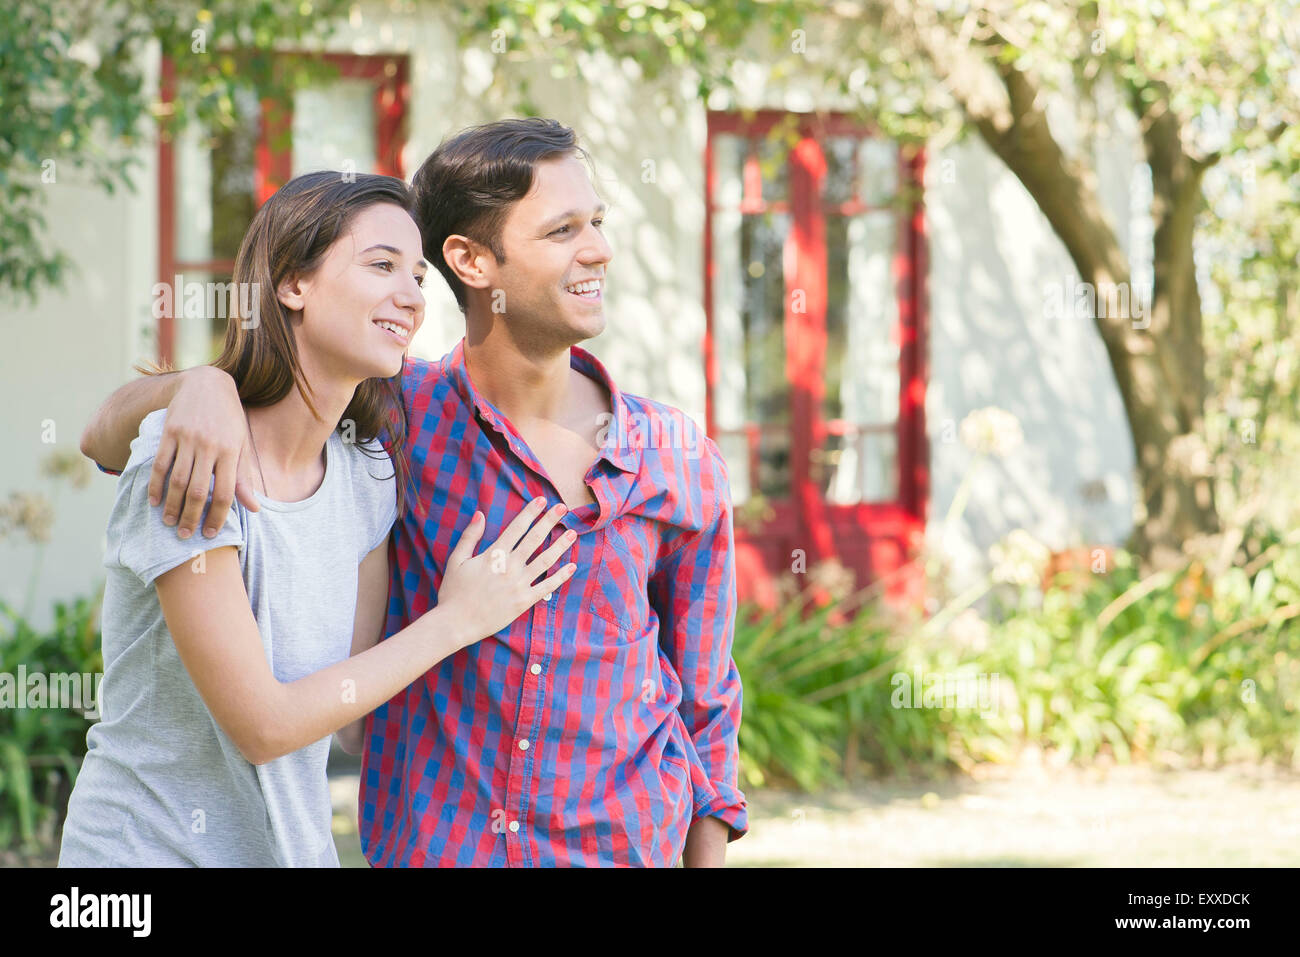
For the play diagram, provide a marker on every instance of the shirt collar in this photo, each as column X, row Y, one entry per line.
column 615, row 448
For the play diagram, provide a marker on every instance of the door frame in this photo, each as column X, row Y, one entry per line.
column 891, row 530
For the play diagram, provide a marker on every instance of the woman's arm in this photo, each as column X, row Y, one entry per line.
column 211, row 620
column 372, row 609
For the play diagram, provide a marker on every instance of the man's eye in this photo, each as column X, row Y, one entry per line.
column 598, row 223
column 562, row 229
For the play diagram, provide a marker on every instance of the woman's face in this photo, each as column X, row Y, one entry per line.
column 363, row 303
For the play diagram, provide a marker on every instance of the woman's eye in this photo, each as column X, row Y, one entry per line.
column 419, row 281
column 598, row 223
column 386, row 265
column 562, row 229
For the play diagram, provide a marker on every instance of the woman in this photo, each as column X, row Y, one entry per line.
column 227, row 658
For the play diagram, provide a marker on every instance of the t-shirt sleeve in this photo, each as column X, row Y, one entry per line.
column 376, row 491
column 137, row 538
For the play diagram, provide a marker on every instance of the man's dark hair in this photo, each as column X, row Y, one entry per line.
column 468, row 184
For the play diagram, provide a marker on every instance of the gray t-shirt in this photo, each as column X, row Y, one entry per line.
column 162, row 784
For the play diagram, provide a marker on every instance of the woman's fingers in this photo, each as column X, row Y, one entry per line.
column 509, row 538
column 549, row 557
column 469, row 538
column 546, row 586
column 537, row 534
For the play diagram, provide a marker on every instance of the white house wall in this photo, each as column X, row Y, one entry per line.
column 990, row 251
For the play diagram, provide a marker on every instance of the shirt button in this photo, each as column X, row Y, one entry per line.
column 514, row 827
column 536, row 669
column 523, row 745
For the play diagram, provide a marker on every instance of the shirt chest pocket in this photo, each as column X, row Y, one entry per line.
column 616, row 588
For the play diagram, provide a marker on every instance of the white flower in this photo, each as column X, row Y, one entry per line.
column 969, row 630
column 1019, row 559
column 992, row 431
column 85, row 52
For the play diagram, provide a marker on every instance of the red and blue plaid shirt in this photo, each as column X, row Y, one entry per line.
column 595, row 728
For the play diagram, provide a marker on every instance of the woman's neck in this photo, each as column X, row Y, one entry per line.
column 289, row 442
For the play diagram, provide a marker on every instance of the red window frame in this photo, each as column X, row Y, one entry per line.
column 893, row 529
column 389, row 72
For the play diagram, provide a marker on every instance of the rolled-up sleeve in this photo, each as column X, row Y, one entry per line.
column 693, row 591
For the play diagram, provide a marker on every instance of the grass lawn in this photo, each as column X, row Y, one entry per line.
column 1024, row 816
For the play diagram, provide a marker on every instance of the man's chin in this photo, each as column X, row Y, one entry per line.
column 582, row 328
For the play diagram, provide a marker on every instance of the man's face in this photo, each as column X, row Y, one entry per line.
column 553, row 276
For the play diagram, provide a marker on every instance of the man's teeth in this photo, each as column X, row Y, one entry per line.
column 585, row 288
column 393, row 327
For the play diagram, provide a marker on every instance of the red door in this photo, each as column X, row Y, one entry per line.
column 814, row 352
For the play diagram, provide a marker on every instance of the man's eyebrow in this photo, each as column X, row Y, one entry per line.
column 394, row 250
column 568, row 215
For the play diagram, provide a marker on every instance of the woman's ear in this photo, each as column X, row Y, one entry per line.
column 290, row 293
column 465, row 257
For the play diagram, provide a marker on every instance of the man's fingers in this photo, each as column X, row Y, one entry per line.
column 196, row 495
column 223, row 496
column 162, row 461
column 469, row 538
column 177, row 486
column 245, row 484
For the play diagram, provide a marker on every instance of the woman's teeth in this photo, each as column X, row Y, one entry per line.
column 395, row 329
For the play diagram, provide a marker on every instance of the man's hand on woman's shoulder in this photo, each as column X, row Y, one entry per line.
column 205, row 435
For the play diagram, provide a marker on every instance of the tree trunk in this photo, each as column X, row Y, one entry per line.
column 1177, row 486
column 1158, row 358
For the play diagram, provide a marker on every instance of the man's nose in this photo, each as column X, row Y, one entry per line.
column 598, row 250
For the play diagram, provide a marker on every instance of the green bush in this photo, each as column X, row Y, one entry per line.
column 41, row 748
column 1183, row 667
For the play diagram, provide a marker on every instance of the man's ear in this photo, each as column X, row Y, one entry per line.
column 290, row 293
column 469, row 260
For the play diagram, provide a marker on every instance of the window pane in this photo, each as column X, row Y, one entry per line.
column 862, row 355
column 234, row 180
column 878, row 171
column 214, row 188
column 841, row 154
column 752, row 398
column 334, row 127
column 859, row 466
column 728, row 170
column 774, row 163
column 767, row 393
column 201, row 307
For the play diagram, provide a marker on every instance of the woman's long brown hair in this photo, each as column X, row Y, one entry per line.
column 289, row 236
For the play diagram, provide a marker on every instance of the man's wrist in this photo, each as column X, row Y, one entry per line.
column 206, row 377
column 706, row 843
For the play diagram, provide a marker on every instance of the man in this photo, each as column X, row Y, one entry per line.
column 600, row 728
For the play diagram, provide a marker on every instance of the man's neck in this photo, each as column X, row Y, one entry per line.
column 526, row 384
